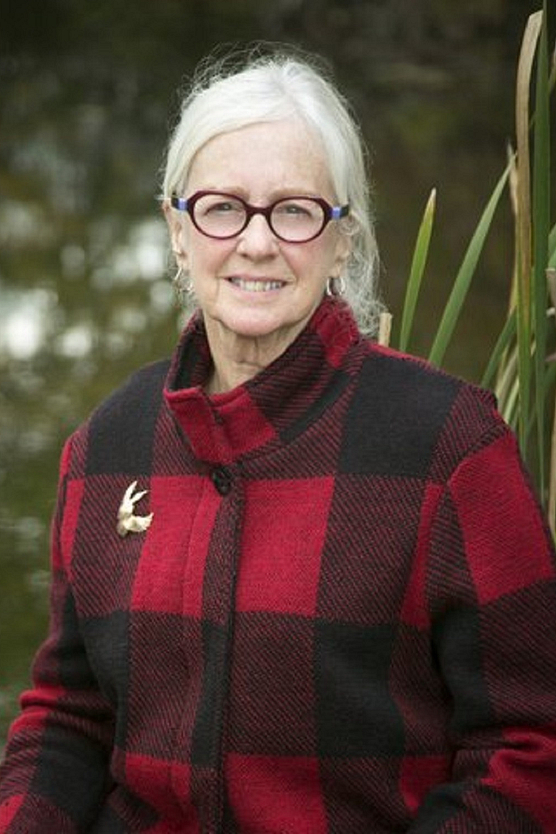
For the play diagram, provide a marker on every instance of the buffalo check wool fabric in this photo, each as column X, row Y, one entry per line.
column 341, row 618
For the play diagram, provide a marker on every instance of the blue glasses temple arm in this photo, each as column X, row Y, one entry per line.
column 338, row 212
column 179, row 202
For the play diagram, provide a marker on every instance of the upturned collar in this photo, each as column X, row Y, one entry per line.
column 272, row 406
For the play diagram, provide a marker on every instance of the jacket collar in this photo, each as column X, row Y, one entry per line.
column 276, row 404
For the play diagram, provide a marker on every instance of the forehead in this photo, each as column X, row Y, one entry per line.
column 265, row 156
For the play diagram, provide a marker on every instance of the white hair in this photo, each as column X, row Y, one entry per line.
column 225, row 96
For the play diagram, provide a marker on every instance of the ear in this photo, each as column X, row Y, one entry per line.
column 177, row 232
column 341, row 253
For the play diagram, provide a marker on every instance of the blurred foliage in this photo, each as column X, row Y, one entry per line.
column 522, row 367
column 87, row 95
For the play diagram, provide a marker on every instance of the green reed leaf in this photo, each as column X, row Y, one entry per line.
column 418, row 264
column 465, row 275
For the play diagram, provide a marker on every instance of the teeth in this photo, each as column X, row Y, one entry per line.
column 256, row 286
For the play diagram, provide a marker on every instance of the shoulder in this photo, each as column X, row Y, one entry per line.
column 414, row 418
column 119, row 434
column 139, row 394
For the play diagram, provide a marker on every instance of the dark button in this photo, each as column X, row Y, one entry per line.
column 222, row 480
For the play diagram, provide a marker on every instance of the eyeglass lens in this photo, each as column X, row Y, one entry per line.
column 222, row 215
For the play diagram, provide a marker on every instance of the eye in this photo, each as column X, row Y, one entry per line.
column 299, row 210
column 294, row 208
column 220, row 206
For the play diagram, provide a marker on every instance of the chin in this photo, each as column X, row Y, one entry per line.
column 256, row 326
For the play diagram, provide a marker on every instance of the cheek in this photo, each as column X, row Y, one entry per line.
column 197, row 251
column 317, row 262
column 205, row 257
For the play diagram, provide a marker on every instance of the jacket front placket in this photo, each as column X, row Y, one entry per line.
column 206, row 433
column 226, row 434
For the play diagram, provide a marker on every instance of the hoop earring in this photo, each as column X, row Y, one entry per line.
column 182, row 282
column 177, row 279
column 336, row 286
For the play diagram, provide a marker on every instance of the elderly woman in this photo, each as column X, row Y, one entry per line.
column 300, row 582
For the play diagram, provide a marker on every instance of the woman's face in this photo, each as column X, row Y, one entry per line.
column 256, row 285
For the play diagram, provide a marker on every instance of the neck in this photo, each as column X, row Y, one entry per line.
column 237, row 358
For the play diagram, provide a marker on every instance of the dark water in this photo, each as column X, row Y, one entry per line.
column 87, row 93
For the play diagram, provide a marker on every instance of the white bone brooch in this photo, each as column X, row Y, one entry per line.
column 127, row 522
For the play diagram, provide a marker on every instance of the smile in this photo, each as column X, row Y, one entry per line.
column 256, row 285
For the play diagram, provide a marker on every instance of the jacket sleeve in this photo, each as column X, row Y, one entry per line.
column 492, row 598
column 54, row 775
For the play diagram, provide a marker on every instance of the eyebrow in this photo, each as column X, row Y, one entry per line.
column 277, row 194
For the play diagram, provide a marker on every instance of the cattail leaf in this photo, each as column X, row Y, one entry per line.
column 418, row 263
column 465, row 275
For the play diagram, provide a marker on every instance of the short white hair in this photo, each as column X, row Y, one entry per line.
column 250, row 88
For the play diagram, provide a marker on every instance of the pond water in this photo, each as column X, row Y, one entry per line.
column 87, row 94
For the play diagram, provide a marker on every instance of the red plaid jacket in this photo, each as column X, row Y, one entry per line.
column 341, row 620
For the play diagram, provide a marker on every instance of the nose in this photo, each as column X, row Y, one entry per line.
column 257, row 240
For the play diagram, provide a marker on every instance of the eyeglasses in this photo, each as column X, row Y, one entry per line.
column 292, row 219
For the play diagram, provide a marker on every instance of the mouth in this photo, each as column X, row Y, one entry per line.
column 256, row 284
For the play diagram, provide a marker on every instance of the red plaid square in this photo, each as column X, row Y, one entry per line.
column 506, row 547
column 280, row 565
column 284, row 794
column 74, row 496
column 170, row 573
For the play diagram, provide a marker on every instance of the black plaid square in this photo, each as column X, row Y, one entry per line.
column 356, row 713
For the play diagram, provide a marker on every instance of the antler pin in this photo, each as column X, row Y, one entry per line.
column 127, row 522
